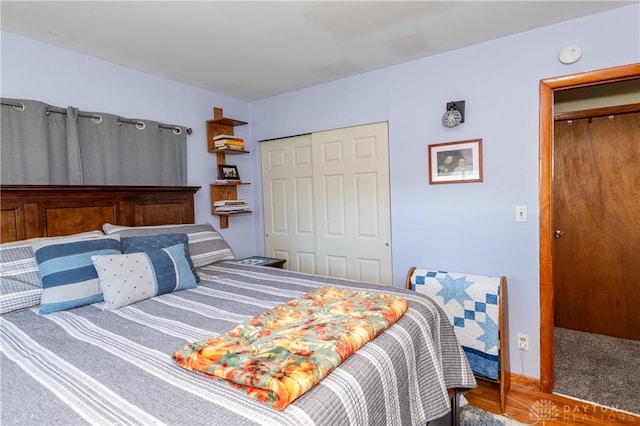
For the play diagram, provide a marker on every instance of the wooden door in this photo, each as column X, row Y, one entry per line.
column 352, row 198
column 596, row 207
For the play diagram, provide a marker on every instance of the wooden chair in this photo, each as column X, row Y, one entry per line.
column 477, row 308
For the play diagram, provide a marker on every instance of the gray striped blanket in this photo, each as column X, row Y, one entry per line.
column 89, row 366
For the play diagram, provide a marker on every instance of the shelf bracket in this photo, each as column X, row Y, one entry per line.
column 224, row 222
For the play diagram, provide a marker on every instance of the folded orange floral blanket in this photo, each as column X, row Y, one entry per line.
column 280, row 354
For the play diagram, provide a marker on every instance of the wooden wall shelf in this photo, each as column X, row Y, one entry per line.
column 230, row 151
column 220, row 125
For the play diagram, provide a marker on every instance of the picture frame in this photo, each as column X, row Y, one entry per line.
column 228, row 172
column 455, row 162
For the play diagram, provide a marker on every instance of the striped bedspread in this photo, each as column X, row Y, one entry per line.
column 283, row 352
column 87, row 365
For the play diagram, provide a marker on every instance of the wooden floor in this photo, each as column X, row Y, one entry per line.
column 532, row 407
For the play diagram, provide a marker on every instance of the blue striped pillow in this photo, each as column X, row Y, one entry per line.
column 69, row 278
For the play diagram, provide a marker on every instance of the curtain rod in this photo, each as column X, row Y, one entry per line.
column 97, row 118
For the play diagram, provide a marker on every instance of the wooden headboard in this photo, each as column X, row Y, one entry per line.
column 29, row 211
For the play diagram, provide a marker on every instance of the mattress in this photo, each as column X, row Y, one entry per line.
column 91, row 366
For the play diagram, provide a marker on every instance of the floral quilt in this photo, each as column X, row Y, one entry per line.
column 280, row 354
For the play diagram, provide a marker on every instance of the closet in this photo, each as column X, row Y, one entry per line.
column 327, row 203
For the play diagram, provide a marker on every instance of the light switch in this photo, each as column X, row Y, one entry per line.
column 521, row 213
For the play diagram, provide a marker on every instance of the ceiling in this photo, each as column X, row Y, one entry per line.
column 255, row 49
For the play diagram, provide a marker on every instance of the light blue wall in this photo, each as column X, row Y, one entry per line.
column 463, row 227
column 33, row 70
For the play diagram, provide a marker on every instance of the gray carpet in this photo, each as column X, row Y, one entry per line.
column 472, row 416
column 601, row 369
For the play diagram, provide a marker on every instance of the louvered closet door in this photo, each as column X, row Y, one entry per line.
column 327, row 204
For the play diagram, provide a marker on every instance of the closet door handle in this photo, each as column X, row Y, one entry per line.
column 558, row 234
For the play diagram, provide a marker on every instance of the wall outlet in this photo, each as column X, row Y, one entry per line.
column 523, row 342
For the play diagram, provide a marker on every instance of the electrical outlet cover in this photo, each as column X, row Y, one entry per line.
column 523, row 342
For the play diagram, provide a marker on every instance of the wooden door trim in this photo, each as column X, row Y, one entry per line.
column 547, row 87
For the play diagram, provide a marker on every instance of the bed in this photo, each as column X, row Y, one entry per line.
column 89, row 365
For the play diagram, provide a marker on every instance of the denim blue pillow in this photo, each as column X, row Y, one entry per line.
column 154, row 242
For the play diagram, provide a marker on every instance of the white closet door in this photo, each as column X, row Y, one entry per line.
column 327, row 204
column 352, row 203
column 287, row 182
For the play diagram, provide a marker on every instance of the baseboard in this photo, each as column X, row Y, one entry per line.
column 525, row 392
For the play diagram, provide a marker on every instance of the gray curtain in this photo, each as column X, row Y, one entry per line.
column 118, row 153
column 66, row 146
column 39, row 147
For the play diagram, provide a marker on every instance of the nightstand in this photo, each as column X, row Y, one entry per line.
column 262, row 261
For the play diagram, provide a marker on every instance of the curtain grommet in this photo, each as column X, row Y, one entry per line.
column 140, row 125
column 96, row 119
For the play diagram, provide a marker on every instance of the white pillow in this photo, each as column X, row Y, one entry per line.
column 129, row 278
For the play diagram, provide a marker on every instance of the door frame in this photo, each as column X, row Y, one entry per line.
column 547, row 88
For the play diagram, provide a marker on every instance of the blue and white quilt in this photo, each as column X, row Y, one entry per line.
column 471, row 303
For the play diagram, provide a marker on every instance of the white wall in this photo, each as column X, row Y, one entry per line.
column 33, row 70
column 463, row 227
